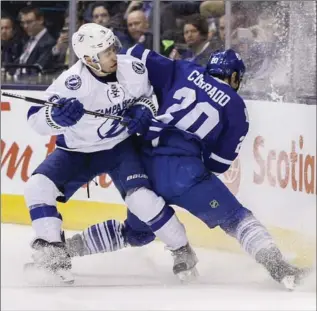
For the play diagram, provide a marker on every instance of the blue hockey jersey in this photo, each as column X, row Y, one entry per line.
column 198, row 104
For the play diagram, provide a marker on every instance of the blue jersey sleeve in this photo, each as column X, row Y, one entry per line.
column 160, row 68
column 220, row 156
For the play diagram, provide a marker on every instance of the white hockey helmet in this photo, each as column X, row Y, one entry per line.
column 91, row 39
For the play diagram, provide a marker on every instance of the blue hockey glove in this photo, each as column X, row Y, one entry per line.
column 69, row 114
column 138, row 118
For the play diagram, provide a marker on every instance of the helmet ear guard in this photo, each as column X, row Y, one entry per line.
column 92, row 62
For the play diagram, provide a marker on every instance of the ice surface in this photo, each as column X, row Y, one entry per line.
column 141, row 279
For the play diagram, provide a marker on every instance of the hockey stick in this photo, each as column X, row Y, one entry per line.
column 46, row 103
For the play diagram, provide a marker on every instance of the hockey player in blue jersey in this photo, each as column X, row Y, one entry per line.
column 203, row 122
column 88, row 146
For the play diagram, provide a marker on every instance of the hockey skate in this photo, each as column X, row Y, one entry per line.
column 279, row 269
column 185, row 261
column 51, row 263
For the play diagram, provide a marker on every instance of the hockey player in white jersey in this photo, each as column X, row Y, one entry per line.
column 88, row 146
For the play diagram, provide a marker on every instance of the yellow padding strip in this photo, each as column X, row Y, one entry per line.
column 78, row 215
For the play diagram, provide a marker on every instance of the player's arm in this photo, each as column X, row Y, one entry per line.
column 160, row 68
column 133, row 76
column 53, row 121
column 219, row 157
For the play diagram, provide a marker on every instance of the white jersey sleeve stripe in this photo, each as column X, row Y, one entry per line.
column 129, row 50
column 145, row 55
column 155, row 129
column 220, row 159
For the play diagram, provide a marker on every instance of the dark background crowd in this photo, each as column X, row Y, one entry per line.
column 35, row 34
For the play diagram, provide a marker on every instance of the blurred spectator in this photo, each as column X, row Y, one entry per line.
column 100, row 14
column 222, row 28
column 144, row 6
column 11, row 41
column 196, row 39
column 115, row 9
column 239, row 15
column 258, row 44
column 138, row 29
column 266, row 28
column 173, row 14
column 37, row 50
column 60, row 50
column 217, row 42
column 258, row 47
column 133, row 6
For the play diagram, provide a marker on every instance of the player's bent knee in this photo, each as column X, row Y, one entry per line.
column 231, row 224
column 137, row 238
column 40, row 190
column 144, row 204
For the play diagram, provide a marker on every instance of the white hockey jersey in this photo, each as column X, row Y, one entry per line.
column 92, row 133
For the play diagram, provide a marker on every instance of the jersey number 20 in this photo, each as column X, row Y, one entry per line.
column 188, row 97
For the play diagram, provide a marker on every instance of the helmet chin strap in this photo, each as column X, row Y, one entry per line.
column 103, row 73
column 98, row 72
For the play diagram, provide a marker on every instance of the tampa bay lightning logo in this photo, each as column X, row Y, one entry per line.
column 73, row 82
column 138, row 67
column 81, row 37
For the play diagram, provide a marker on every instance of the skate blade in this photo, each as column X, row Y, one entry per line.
column 188, row 276
column 289, row 282
column 292, row 281
column 36, row 275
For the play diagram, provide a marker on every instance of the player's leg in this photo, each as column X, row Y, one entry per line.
column 42, row 189
column 212, row 202
column 255, row 239
column 110, row 236
column 186, row 183
column 132, row 182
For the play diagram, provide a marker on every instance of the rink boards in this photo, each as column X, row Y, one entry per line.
column 275, row 177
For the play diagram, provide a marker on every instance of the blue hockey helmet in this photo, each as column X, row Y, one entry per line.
column 223, row 64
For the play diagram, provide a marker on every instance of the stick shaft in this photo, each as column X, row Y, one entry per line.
column 45, row 103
